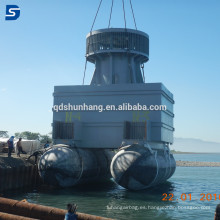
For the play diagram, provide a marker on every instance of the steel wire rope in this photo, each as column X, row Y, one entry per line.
column 110, row 17
column 133, row 15
column 84, row 74
column 142, row 68
column 124, row 12
column 96, row 15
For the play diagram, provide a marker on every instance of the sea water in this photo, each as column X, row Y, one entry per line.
column 191, row 193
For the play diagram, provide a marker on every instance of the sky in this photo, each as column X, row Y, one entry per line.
column 45, row 47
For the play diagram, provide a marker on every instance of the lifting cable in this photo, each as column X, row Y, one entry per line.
column 133, row 15
column 124, row 12
column 84, row 74
column 96, row 15
column 109, row 22
column 142, row 68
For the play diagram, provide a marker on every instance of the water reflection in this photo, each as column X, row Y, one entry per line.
column 110, row 200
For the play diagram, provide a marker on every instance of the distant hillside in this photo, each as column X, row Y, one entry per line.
column 195, row 145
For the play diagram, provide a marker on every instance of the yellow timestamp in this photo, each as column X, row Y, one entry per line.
column 188, row 197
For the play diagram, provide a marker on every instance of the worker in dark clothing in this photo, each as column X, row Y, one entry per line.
column 19, row 148
column 36, row 154
column 46, row 145
column 71, row 214
column 10, row 145
column 217, row 212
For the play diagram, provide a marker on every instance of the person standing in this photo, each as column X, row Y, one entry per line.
column 71, row 214
column 10, row 145
column 46, row 145
column 217, row 212
column 19, row 148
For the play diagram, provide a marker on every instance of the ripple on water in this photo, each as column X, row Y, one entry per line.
column 111, row 200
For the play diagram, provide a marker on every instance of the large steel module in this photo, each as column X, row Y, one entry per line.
column 142, row 136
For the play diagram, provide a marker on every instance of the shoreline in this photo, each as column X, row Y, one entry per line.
column 180, row 163
column 180, row 152
column 14, row 162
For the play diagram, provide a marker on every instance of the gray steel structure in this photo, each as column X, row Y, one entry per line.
column 106, row 48
column 117, row 81
column 117, row 54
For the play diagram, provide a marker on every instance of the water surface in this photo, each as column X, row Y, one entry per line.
column 111, row 200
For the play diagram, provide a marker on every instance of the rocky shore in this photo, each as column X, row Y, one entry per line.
column 180, row 163
column 14, row 161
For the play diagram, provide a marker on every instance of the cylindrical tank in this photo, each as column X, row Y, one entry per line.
column 65, row 166
column 137, row 167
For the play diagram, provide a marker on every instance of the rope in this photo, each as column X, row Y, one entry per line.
column 110, row 14
column 84, row 75
column 142, row 67
column 124, row 12
column 96, row 14
column 133, row 15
